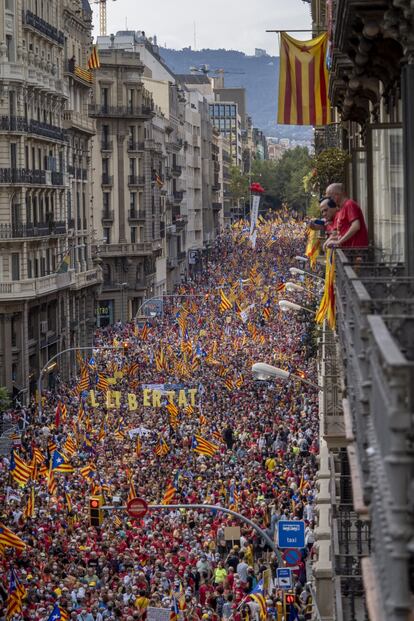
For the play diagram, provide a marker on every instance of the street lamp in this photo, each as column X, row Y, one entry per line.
column 295, row 271
column 53, row 359
column 122, row 286
column 292, row 287
column 263, row 371
column 285, row 306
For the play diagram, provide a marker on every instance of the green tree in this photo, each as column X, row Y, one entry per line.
column 239, row 185
column 329, row 166
column 5, row 401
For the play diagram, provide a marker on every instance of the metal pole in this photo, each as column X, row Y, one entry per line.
column 241, row 517
column 64, row 351
column 169, row 295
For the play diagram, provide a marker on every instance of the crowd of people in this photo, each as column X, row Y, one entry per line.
column 262, row 443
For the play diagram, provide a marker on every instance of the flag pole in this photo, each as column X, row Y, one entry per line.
column 287, row 30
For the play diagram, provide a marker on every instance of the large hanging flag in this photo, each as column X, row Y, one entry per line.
column 327, row 306
column 303, row 82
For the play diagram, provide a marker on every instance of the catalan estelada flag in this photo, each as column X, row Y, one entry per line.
column 9, row 540
column 303, row 82
column 327, row 306
column 93, row 60
column 203, row 447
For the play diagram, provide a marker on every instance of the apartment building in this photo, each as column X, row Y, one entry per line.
column 48, row 279
column 127, row 199
column 365, row 533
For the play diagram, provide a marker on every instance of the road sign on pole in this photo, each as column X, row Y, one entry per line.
column 291, row 534
column 137, row 507
column 291, row 557
column 284, row 578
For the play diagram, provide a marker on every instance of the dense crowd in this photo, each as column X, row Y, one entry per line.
column 264, row 463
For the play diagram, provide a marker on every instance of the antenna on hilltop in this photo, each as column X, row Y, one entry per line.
column 195, row 36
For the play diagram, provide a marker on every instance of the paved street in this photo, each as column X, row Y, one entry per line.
column 186, row 423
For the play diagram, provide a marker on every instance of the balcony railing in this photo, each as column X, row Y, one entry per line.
column 21, row 124
column 217, row 206
column 39, row 24
column 375, row 313
column 100, row 110
column 135, row 146
column 178, row 196
column 14, row 123
column 39, row 229
column 106, row 145
column 108, row 215
column 136, row 180
column 327, row 137
column 135, row 214
column 22, row 176
column 176, row 171
column 47, row 130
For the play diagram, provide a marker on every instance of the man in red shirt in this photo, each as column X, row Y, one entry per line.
column 351, row 230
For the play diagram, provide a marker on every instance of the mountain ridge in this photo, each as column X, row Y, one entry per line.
column 260, row 78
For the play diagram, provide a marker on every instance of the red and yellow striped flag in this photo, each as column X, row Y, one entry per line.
column 303, row 82
column 93, row 60
column 168, row 495
column 327, row 306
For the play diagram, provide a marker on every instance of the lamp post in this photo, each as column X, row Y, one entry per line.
column 53, row 358
column 160, row 298
column 263, row 371
column 122, row 286
column 296, row 271
column 292, row 287
column 286, row 305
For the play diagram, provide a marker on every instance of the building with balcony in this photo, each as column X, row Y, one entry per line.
column 127, row 206
column 44, row 131
column 366, row 513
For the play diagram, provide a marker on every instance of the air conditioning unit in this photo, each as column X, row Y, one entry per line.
column 43, row 327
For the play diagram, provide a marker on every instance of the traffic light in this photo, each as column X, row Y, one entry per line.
column 289, row 604
column 125, row 345
column 95, row 510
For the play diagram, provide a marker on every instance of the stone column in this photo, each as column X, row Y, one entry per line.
column 121, row 185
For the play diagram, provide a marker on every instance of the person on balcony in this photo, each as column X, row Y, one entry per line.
column 328, row 209
column 349, row 224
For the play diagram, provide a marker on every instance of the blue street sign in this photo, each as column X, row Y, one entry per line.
column 284, row 577
column 291, row 534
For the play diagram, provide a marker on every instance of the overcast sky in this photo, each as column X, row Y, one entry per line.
column 231, row 24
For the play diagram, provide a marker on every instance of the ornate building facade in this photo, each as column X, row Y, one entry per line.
column 48, row 279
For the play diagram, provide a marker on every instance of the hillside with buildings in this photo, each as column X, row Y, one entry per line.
column 259, row 74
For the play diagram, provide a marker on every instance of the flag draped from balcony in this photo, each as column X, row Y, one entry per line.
column 93, row 60
column 303, row 82
column 326, row 308
column 313, row 247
